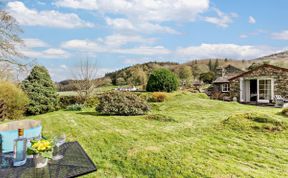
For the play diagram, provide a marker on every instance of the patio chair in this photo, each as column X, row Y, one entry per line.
column 279, row 101
column 9, row 132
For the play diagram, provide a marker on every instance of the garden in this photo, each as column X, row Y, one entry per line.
column 160, row 133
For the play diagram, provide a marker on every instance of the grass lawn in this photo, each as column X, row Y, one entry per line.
column 198, row 144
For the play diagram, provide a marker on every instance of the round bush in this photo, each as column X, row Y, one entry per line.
column 121, row 103
column 162, row 80
column 41, row 91
column 14, row 99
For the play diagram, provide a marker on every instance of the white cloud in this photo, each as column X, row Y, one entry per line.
column 83, row 45
column 225, row 51
column 34, row 43
column 116, row 44
column 144, row 50
column 98, row 47
column 243, row 36
column 221, row 19
column 251, row 20
column 120, row 40
column 147, row 10
column 50, row 53
column 139, row 14
column 280, row 35
column 78, row 4
column 124, row 25
column 52, row 18
column 63, row 66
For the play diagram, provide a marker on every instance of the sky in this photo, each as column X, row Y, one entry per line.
column 113, row 34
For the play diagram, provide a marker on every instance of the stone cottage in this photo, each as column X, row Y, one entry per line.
column 221, row 85
column 258, row 85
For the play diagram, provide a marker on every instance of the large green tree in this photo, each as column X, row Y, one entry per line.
column 162, row 80
column 41, row 91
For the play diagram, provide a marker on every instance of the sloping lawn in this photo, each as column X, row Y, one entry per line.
column 196, row 144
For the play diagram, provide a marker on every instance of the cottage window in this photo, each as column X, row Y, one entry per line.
column 265, row 89
column 225, row 87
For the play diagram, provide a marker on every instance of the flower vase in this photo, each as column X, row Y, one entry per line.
column 40, row 161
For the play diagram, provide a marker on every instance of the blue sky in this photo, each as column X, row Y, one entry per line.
column 118, row 33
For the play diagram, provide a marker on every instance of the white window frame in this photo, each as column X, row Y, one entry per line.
column 271, row 90
column 225, row 87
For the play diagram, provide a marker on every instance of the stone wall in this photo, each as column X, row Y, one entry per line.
column 280, row 77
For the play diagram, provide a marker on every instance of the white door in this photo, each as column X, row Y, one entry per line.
column 247, row 91
column 242, row 98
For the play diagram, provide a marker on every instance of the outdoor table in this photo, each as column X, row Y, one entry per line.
column 74, row 163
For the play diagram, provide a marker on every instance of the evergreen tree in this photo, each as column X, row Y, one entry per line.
column 216, row 65
column 210, row 65
column 41, row 91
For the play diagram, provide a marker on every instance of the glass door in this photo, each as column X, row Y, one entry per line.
column 265, row 91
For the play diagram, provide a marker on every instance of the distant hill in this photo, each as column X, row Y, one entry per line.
column 278, row 59
column 123, row 76
column 140, row 72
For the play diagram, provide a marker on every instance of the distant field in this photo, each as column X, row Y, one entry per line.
column 97, row 90
column 196, row 144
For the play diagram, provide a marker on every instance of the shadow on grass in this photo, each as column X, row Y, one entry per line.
column 89, row 113
column 281, row 114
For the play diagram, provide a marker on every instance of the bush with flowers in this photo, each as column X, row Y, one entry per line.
column 42, row 147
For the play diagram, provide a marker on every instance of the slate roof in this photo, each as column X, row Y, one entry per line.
column 222, row 80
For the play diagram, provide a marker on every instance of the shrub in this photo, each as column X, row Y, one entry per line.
column 285, row 111
column 145, row 96
column 92, row 102
column 41, row 91
column 158, row 97
column 160, row 117
column 14, row 99
column 162, row 80
column 65, row 101
column 75, row 107
column 121, row 103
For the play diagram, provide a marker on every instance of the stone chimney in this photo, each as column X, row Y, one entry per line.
column 220, row 72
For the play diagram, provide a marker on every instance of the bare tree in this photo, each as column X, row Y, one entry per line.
column 9, row 44
column 86, row 79
column 6, row 72
column 9, row 30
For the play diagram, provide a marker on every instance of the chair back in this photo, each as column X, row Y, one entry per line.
column 278, row 97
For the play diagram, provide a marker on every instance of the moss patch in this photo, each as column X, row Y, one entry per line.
column 256, row 121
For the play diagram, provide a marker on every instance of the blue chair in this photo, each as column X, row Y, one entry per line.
column 9, row 132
